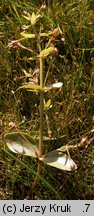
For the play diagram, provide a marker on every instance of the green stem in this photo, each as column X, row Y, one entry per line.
column 41, row 110
column 40, row 153
column 48, row 124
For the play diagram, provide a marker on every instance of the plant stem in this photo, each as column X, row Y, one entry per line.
column 41, row 110
column 39, row 167
column 48, row 124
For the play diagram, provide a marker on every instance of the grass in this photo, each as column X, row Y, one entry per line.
column 72, row 112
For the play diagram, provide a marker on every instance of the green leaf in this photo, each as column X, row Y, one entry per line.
column 37, row 88
column 45, row 34
column 59, row 160
column 27, row 35
column 33, row 172
column 46, row 52
column 47, row 104
column 33, row 19
column 21, row 143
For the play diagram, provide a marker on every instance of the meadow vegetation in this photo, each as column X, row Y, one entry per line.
column 71, row 112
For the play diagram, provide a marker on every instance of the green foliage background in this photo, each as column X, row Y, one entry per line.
column 72, row 112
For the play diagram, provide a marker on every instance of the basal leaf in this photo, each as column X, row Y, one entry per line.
column 21, row 143
column 59, row 160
